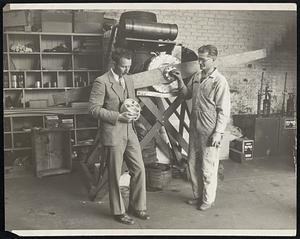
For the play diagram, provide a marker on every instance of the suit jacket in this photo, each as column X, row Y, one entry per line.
column 105, row 101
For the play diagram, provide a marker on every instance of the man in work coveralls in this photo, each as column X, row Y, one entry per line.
column 210, row 95
column 119, row 138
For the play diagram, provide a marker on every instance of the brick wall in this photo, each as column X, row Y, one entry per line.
column 236, row 32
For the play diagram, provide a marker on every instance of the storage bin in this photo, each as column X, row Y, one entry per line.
column 57, row 21
column 88, row 22
column 158, row 176
column 52, row 151
column 15, row 18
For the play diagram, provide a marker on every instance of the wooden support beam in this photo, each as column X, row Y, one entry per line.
column 151, row 133
column 177, row 137
column 161, row 144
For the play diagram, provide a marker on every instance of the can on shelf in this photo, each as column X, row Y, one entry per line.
column 14, row 81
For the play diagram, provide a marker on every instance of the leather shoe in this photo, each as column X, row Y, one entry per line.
column 142, row 214
column 194, row 201
column 205, row 206
column 124, row 218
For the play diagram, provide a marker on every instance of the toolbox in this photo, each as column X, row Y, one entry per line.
column 241, row 149
column 52, row 151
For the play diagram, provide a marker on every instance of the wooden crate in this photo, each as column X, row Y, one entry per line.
column 52, row 151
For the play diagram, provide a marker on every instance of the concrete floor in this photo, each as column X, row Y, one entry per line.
column 258, row 196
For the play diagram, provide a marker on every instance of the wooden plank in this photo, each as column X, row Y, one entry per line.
column 155, row 76
column 241, row 58
column 155, row 94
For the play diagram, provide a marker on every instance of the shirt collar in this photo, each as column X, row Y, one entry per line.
column 116, row 77
column 213, row 74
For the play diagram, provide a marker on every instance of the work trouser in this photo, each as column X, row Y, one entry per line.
column 130, row 149
column 204, row 173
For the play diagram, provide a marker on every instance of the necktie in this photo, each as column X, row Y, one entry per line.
column 122, row 82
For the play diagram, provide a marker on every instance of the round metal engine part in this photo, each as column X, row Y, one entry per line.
column 166, row 61
column 131, row 106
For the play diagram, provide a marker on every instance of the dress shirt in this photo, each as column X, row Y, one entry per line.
column 118, row 79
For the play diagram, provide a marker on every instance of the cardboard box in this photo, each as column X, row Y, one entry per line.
column 57, row 22
column 88, row 22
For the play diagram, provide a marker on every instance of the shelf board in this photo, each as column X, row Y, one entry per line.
column 23, row 53
column 21, row 132
column 33, row 71
column 56, row 53
column 49, row 88
column 23, row 71
column 56, row 71
column 88, row 53
column 54, row 33
column 12, row 89
column 21, row 112
column 79, row 70
column 45, row 88
column 7, row 132
column 86, row 128
column 19, row 148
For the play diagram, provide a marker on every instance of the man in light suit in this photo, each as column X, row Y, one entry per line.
column 118, row 137
column 210, row 114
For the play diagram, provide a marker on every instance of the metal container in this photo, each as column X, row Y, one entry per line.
column 149, row 30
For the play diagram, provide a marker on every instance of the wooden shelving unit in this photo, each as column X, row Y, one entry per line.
column 34, row 76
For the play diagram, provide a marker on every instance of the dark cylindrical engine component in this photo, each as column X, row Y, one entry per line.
column 138, row 15
column 149, row 30
column 139, row 24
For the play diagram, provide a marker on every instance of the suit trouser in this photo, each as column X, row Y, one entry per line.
column 204, row 174
column 130, row 149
